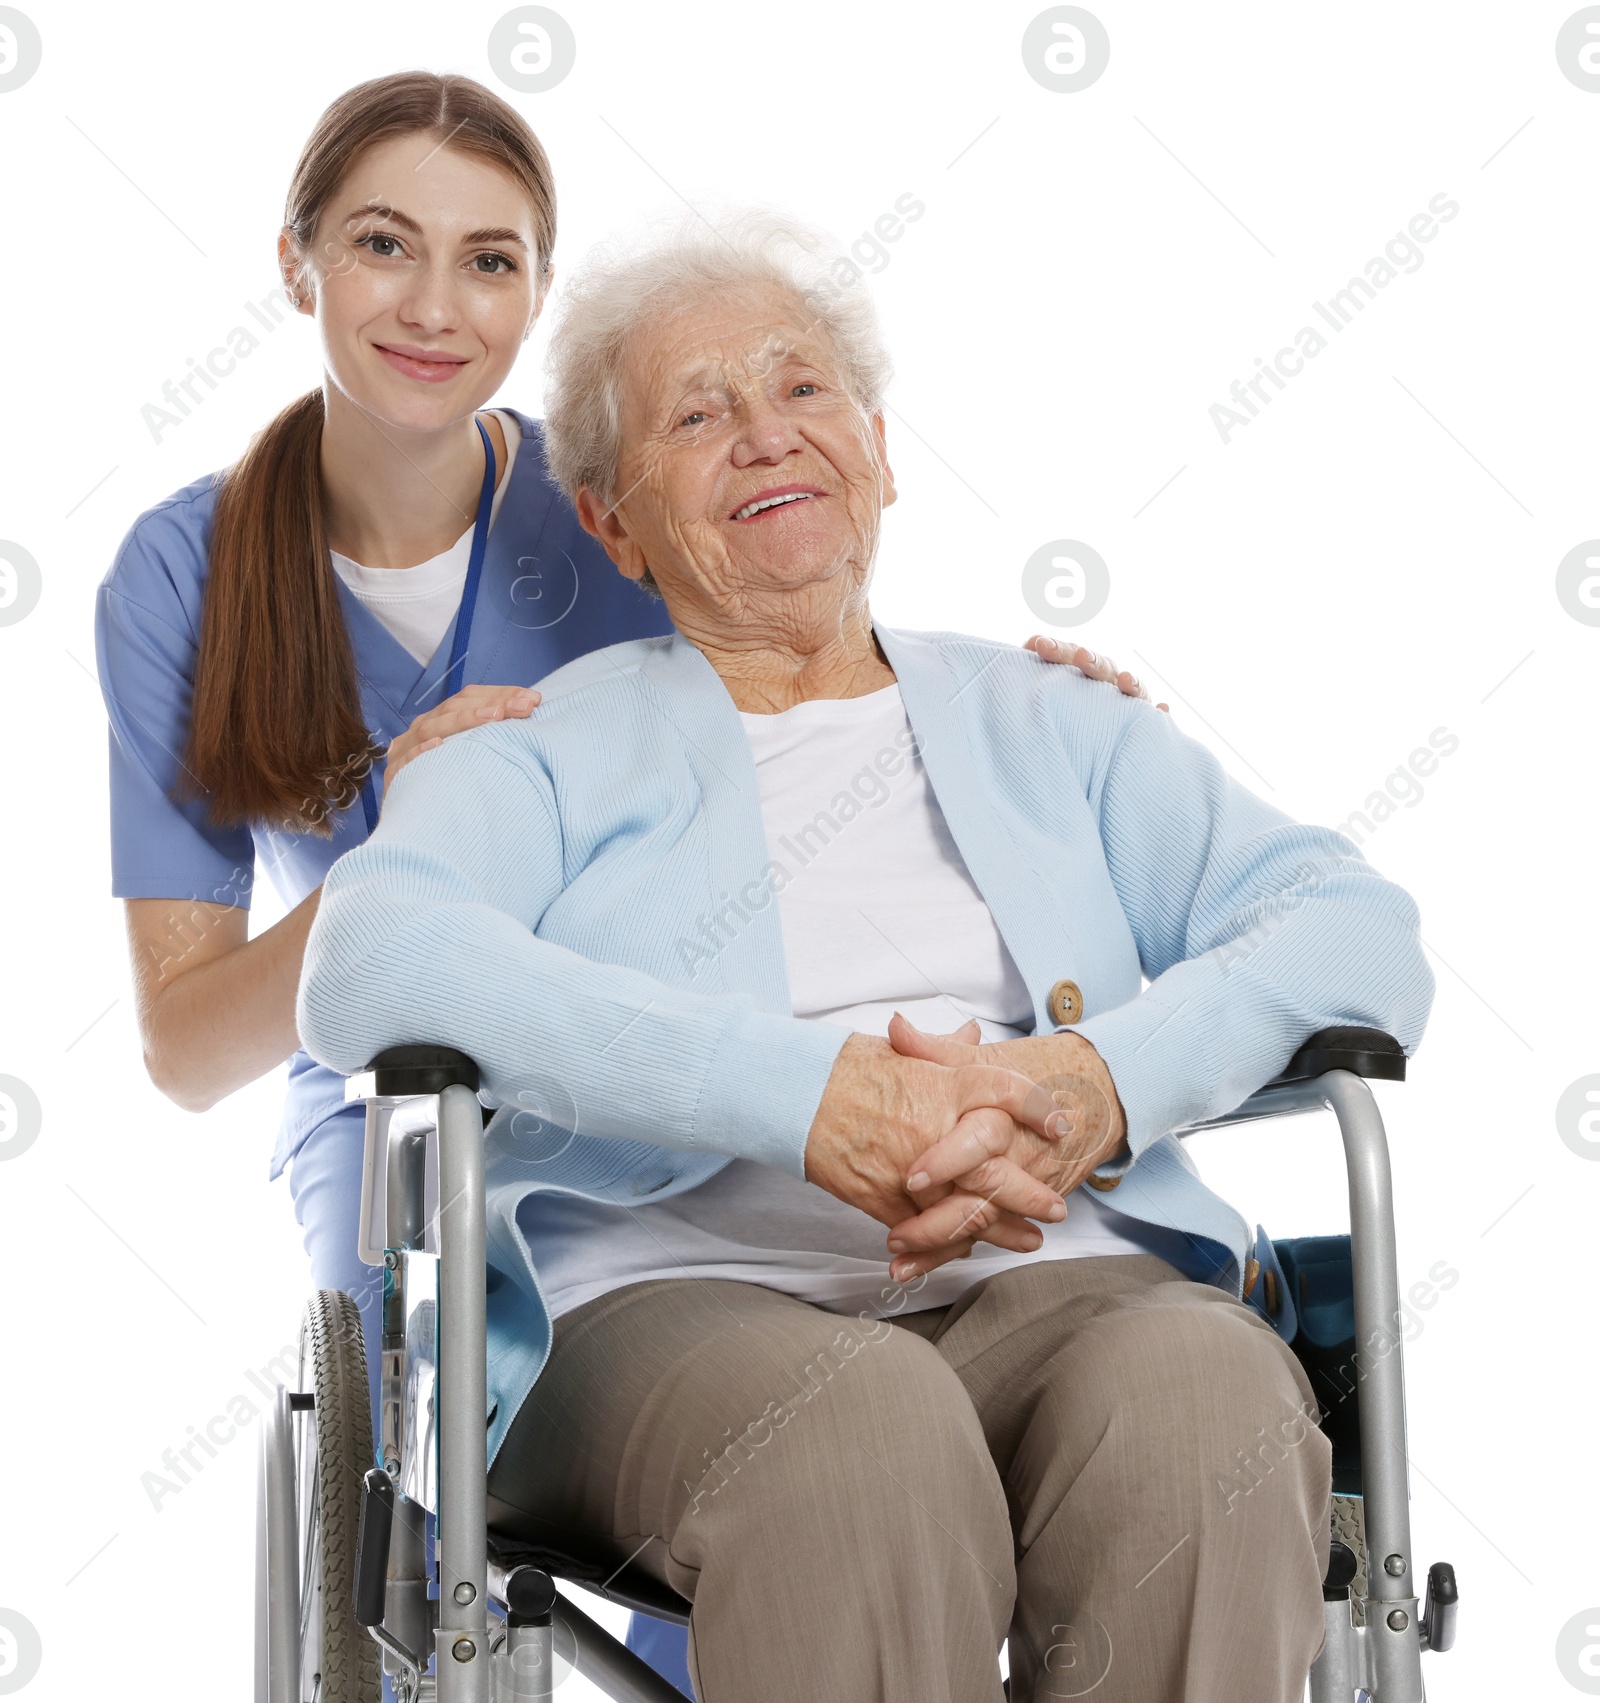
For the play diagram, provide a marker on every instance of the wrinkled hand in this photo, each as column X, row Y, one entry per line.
column 976, row 1152
column 1089, row 662
column 881, row 1110
column 472, row 706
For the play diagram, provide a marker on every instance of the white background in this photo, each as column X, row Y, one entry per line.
column 1372, row 559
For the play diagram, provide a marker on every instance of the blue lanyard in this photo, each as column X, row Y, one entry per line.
column 455, row 674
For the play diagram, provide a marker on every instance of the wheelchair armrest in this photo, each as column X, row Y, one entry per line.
column 398, row 1073
column 1363, row 1052
column 396, row 1089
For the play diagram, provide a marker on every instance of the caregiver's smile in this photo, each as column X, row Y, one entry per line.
column 430, row 366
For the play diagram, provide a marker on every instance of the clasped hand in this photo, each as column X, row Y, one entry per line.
column 951, row 1142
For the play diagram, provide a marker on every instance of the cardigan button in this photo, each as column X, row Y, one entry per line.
column 1104, row 1184
column 1065, row 1003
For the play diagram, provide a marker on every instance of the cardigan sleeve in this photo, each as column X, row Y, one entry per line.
column 1254, row 931
column 426, row 934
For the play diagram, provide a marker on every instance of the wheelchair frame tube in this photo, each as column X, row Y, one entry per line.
column 1394, row 1651
column 533, row 1680
column 283, row 1552
column 606, row 1664
column 1392, row 1654
column 462, row 1666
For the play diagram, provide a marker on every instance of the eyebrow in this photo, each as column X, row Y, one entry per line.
column 714, row 376
column 494, row 233
column 381, row 210
column 393, row 216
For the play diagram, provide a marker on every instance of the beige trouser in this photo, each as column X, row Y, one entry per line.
column 1095, row 1458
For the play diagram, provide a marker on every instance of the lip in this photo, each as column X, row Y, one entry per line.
column 428, row 366
column 770, row 492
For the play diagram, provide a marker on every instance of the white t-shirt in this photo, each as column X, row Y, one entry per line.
column 418, row 604
column 878, row 915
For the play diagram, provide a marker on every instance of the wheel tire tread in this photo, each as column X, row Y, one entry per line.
column 333, row 1361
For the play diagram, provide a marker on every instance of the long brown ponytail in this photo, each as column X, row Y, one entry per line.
column 276, row 734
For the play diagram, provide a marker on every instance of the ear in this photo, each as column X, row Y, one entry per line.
column 291, row 264
column 601, row 521
column 889, row 492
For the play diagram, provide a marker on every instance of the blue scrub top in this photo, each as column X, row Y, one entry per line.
column 548, row 594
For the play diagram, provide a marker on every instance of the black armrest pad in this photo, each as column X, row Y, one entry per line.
column 1363, row 1052
column 422, row 1070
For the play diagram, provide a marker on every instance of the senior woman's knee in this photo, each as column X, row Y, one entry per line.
column 1177, row 1381
column 1194, row 1338
column 861, row 1419
column 1184, row 1384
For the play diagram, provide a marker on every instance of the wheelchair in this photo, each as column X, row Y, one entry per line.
column 350, row 1573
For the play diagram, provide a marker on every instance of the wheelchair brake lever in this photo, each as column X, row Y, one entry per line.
column 372, row 1546
column 1439, row 1607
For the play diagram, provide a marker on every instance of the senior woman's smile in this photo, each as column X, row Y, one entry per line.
column 764, row 502
column 823, row 930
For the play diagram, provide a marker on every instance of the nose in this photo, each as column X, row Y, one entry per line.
column 765, row 435
column 431, row 303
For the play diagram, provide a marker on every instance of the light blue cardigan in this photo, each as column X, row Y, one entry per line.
column 580, row 901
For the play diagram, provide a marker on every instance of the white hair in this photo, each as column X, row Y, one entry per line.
column 621, row 286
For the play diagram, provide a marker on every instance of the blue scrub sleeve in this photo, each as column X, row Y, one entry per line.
column 146, row 644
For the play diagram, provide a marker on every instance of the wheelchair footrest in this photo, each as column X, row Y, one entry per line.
column 1350, row 1530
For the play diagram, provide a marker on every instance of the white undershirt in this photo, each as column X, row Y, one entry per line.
column 418, row 604
column 878, row 915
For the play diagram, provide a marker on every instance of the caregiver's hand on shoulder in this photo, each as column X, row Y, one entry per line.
column 472, row 706
column 1088, row 662
column 881, row 1110
column 974, row 1153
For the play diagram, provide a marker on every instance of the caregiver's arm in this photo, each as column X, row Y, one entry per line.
column 215, row 1006
column 1255, row 932
column 426, row 934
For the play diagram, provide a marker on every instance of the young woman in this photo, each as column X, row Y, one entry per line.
column 385, row 566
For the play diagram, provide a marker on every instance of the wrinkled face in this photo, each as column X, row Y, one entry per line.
column 422, row 276
column 747, row 465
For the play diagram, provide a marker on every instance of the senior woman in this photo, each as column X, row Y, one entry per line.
column 674, row 916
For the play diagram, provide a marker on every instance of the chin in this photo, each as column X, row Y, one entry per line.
column 792, row 573
column 410, row 407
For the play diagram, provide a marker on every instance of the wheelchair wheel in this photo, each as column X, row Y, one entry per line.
column 332, row 1449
